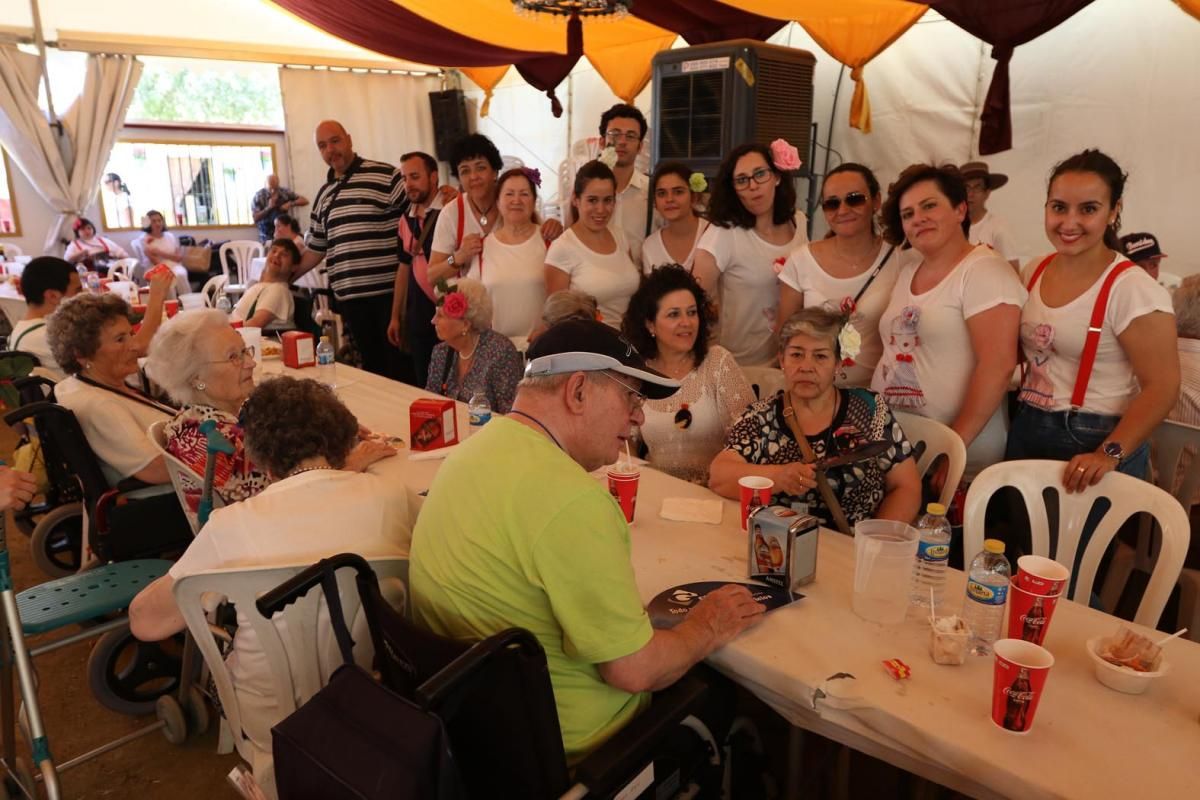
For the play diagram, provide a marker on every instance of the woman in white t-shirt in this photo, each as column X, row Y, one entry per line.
column 950, row 330
column 755, row 228
column 675, row 188
column 159, row 246
column 1134, row 380
column 463, row 224
column 511, row 265
column 852, row 271
column 590, row 256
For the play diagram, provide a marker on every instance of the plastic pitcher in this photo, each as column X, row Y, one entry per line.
column 884, row 551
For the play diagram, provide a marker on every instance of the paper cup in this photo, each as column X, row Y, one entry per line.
column 623, row 485
column 253, row 338
column 753, row 492
column 1041, row 575
column 171, row 307
column 1029, row 614
column 1017, row 684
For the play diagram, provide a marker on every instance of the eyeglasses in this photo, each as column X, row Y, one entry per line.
column 760, row 175
column 852, row 200
column 237, row 358
column 636, row 398
column 629, row 136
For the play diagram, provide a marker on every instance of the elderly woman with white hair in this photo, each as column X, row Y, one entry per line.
column 204, row 364
column 471, row 357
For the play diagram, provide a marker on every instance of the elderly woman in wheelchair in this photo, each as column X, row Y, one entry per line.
column 302, row 435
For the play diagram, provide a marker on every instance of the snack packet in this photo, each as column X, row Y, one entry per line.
column 1127, row 648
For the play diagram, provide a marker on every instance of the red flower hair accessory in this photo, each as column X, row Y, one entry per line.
column 454, row 305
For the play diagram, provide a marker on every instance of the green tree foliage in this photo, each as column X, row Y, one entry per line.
column 183, row 94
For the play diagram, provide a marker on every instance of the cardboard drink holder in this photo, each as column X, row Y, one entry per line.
column 783, row 546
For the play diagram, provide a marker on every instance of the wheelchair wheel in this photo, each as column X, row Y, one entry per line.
column 129, row 676
column 170, row 714
column 57, row 541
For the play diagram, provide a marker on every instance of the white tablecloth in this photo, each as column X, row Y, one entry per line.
column 1087, row 741
column 315, row 278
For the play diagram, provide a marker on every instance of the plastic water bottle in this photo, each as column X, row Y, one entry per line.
column 93, row 282
column 224, row 304
column 933, row 554
column 479, row 410
column 987, row 591
column 326, row 364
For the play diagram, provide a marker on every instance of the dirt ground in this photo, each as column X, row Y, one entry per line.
column 147, row 768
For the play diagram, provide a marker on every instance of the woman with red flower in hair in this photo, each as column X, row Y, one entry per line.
column 471, row 357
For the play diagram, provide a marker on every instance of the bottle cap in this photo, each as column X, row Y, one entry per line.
column 324, row 340
column 936, row 508
column 993, row 545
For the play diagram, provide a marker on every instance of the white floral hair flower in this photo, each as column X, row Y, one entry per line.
column 697, row 182
column 850, row 342
column 608, row 157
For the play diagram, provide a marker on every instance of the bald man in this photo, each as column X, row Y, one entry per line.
column 354, row 228
column 271, row 201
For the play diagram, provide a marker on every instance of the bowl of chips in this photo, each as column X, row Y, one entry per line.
column 1126, row 661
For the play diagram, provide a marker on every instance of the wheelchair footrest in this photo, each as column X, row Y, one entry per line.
column 88, row 595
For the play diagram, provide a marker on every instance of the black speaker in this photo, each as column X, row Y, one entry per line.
column 711, row 98
column 449, row 109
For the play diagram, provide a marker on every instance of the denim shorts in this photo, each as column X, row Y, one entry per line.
column 1062, row 435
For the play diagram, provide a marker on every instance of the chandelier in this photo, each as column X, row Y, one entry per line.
column 574, row 8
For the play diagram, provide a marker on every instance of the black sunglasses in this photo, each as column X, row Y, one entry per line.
column 853, row 200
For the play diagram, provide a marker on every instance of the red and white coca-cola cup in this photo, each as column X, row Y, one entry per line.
column 753, row 491
column 623, row 485
column 1041, row 575
column 1029, row 614
column 1021, row 669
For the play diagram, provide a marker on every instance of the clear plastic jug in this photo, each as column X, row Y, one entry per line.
column 883, row 557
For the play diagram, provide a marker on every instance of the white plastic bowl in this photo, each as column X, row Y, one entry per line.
column 1123, row 679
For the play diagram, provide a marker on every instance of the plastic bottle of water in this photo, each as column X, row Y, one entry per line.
column 93, row 282
column 224, row 304
column 987, row 590
column 479, row 410
column 933, row 554
column 326, row 364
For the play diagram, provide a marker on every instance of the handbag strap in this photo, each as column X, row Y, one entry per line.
column 462, row 221
column 337, row 618
column 827, row 495
column 874, row 274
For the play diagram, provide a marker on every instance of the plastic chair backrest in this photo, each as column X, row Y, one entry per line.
column 243, row 250
column 1167, row 444
column 931, row 439
column 188, row 485
column 213, row 289
column 1127, row 496
column 11, row 251
column 765, row 381
column 300, row 654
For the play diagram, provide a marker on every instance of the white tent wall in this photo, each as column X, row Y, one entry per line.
column 385, row 115
column 1119, row 75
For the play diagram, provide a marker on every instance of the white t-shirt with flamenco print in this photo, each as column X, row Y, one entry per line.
column 1053, row 339
column 749, row 268
column 927, row 356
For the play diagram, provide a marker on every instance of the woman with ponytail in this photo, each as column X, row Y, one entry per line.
column 1098, row 335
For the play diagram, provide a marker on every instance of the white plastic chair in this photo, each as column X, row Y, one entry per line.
column 932, row 439
column 213, row 289
column 11, row 251
column 300, row 653
column 186, row 482
column 1167, row 445
column 122, row 269
column 765, row 381
column 1127, row 495
column 243, row 252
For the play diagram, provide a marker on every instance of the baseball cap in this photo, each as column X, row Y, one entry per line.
column 1140, row 246
column 585, row 345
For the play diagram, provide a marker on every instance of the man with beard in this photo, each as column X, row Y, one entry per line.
column 623, row 127
column 413, row 303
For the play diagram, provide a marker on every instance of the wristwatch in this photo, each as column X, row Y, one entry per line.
column 1114, row 450
column 450, row 259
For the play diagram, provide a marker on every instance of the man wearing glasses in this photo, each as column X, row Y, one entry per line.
column 623, row 128
column 516, row 532
column 986, row 227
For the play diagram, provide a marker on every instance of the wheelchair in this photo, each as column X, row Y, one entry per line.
column 125, row 675
column 495, row 702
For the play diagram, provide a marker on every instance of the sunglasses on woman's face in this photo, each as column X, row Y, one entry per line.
column 852, row 200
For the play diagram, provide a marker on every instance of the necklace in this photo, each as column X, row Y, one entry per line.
column 483, row 215
column 470, row 355
column 855, row 261
column 540, row 424
column 302, row 470
column 790, row 411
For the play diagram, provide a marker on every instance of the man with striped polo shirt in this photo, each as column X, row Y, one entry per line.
column 354, row 228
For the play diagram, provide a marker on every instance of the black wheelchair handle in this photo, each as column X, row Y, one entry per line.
column 22, row 413
column 299, row 585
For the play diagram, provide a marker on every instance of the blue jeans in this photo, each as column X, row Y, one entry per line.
column 1061, row 435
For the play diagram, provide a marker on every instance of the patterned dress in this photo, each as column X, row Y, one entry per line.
column 495, row 371
column 235, row 477
column 762, row 436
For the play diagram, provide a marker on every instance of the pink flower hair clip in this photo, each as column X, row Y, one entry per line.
column 785, row 156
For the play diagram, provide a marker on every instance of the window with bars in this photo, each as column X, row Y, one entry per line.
column 193, row 185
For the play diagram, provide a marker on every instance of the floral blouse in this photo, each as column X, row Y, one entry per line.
column 235, row 477
column 496, row 370
column 762, row 436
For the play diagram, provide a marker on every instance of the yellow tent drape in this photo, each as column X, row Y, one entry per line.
column 485, row 78
column 1190, row 6
column 852, row 31
column 620, row 50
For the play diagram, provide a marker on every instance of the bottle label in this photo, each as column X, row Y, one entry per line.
column 988, row 595
column 478, row 416
column 933, row 552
